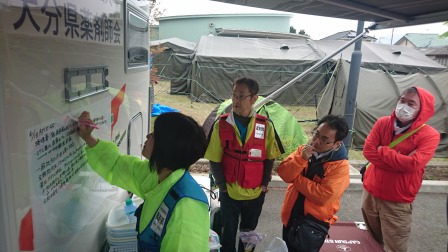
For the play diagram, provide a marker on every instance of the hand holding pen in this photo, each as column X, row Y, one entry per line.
column 85, row 128
column 84, row 122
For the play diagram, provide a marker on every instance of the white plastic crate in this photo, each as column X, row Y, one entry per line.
column 121, row 234
column 117, row 220
column 130, row 248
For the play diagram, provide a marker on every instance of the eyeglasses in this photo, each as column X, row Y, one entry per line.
column 239, row 97
column 322, row 139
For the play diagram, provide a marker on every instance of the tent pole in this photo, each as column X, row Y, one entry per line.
column 352, row 86
column 318, row 64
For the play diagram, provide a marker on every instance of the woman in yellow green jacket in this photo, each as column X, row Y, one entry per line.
column 175, row 215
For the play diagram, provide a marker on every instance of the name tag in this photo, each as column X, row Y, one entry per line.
column 254, row 153
column 259, row 130
column 159, row 219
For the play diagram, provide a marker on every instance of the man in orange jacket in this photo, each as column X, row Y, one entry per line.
column 395, row 175
column 317, row 174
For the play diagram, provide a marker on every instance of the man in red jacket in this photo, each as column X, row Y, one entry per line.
column 395, row 175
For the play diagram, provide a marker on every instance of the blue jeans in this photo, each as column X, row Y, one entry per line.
column 231, row 210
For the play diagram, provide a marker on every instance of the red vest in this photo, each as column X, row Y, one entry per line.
column 243, row 164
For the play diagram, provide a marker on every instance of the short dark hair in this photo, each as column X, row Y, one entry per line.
column 411, row 90
column 179, row 142
column 337, row 123
column 251, row 84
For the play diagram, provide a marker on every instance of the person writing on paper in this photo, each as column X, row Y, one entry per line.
column 317, row 175
column 176, row 143
column 394, row 176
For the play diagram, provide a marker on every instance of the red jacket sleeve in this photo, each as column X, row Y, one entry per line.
column 426, row 143
column 372, row 142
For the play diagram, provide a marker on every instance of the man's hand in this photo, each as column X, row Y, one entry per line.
column 379, row 148
column 307, row 152
column 264, row 189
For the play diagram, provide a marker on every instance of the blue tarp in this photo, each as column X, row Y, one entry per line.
column 158, row 109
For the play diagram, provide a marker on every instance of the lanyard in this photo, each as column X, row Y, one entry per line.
column 400, row 139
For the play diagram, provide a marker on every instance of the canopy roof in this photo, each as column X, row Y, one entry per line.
column 384, row 13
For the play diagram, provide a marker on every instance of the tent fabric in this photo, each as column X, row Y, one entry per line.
column 221, row 60
column 377, row 95
column 218, row 61
column 393, row 58
column 180, row 69
column 290, row 132
column 172, row 58
column 176, row 45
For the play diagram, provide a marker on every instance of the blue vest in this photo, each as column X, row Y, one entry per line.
column 150, row 239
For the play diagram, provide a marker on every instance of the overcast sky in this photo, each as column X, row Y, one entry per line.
column 316, row 26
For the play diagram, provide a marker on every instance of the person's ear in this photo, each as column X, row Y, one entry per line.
column 253, row 99
column 339, row 144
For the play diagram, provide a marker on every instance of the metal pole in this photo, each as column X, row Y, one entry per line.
column 352, row 86
column 318, row 64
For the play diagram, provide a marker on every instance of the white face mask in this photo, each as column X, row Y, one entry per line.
column 404, row 113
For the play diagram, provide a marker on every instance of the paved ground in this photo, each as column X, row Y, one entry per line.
column 429, row 227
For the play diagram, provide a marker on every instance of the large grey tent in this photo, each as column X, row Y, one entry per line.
column 218, row 61
column 392, row 58
column 377, row 95
column 272, row 62
column 172, row 58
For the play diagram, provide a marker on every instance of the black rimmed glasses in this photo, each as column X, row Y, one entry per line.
column 322, row 139
column 239, row 97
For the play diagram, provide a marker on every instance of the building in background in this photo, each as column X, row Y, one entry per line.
column 432, row 45
column 420, row 40
column 153, row 32
column 349, row 35
column 192, row 27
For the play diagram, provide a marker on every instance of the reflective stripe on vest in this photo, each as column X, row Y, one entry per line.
column 150, row 239
column 243, row 164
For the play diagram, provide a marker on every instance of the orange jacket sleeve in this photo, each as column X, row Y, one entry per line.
column 335, row 181
column 292, row 166
column 330, row 188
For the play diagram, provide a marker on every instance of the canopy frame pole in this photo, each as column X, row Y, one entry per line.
column 318, row 64
column 352, row 87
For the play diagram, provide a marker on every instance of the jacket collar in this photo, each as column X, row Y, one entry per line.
column 333, row 155
column 231, row 119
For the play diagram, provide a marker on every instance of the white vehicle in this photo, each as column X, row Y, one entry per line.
column 57, row 59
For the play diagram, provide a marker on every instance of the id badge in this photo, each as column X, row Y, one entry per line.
column 259, row 130
column 254, row 153
column 159, row 219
